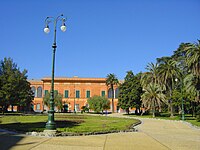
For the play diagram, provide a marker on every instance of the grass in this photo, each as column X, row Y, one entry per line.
column 66, row 123
column 166, row 116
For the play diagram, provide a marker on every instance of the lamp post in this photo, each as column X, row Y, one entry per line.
column 182, row 105
column 74, row 99
column 51, row 125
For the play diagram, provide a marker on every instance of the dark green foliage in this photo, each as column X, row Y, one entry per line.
column 130, row 92
column 98, row 103
column 84, row 109
column 15, row 90
column 184, row 67
column 198, row 113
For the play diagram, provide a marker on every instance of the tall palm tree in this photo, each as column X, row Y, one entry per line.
column 57, row 98
column 151, row 75
column 168, row 71
column 152, row 97
column 112, row 80
column 193, row 62
column 191, row 83
column 193, row 58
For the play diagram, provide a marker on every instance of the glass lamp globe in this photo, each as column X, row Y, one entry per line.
column 63, row 28
column 46, row 30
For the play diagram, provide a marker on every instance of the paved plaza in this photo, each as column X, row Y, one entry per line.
column 152, row 134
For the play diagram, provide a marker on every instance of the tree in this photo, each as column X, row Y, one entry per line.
column 112, row 80
column 191, row 83
column 130, row 92
column 15, row 90
column 152, row 74
column 188, row 57
column 193, row 62
column 152, row 97
column 168, row 71
column 98, row 103
column 25, row 95
column 193, row 58
column 57, row 100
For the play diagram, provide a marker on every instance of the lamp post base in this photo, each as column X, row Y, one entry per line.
column 50, row 133
column 50, row 125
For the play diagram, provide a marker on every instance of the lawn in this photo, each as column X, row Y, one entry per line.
column 75, row 123
column 166, row 116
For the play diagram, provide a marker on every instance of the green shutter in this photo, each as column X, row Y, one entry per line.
column 88, row 94
column 103, row 93
column 45, row 92
column 77, row 94
column 66, row 94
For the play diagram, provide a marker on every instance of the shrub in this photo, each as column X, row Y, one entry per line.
column 198, row 114
column 84, row 109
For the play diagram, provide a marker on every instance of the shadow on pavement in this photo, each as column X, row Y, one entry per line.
column 7, row 141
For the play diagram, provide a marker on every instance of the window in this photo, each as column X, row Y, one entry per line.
column 45, row 92
column 39, row 92
column 77, row 108
column 87, row 94
column 34, row 91
column 38, row 106
column 110, row 93
column 116, row 92
column 66, row 94
column 103, row 93
column 77, row 94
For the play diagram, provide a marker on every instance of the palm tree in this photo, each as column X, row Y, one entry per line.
column 168, row 71
column 112, row 80
column 57, row 99
column 191, row 83
column 151, row 75
column 193, row 62
column 193, row 58
column 152, row 97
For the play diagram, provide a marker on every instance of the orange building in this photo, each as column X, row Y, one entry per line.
column 75, row 92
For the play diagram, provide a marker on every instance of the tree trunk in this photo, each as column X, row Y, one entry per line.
column 179, row 110
column 193, row 109
column 136, row 111
column 191, row 103
column 4, row 109
column 12, row 108
column 113, row 110
column 171, row 106
column 153, row 109
column 153, row 114
column 171, row 109
column 127, row 110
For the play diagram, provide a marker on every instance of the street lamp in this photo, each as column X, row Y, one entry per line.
column 51, row 125
column 182, row 106
column 74, row 99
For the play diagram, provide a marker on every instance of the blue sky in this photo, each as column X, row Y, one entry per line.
column 102, row 37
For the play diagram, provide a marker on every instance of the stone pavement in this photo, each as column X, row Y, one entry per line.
column 152, row 135
column 175, row 135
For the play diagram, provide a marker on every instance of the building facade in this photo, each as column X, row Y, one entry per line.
column 75, row 92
